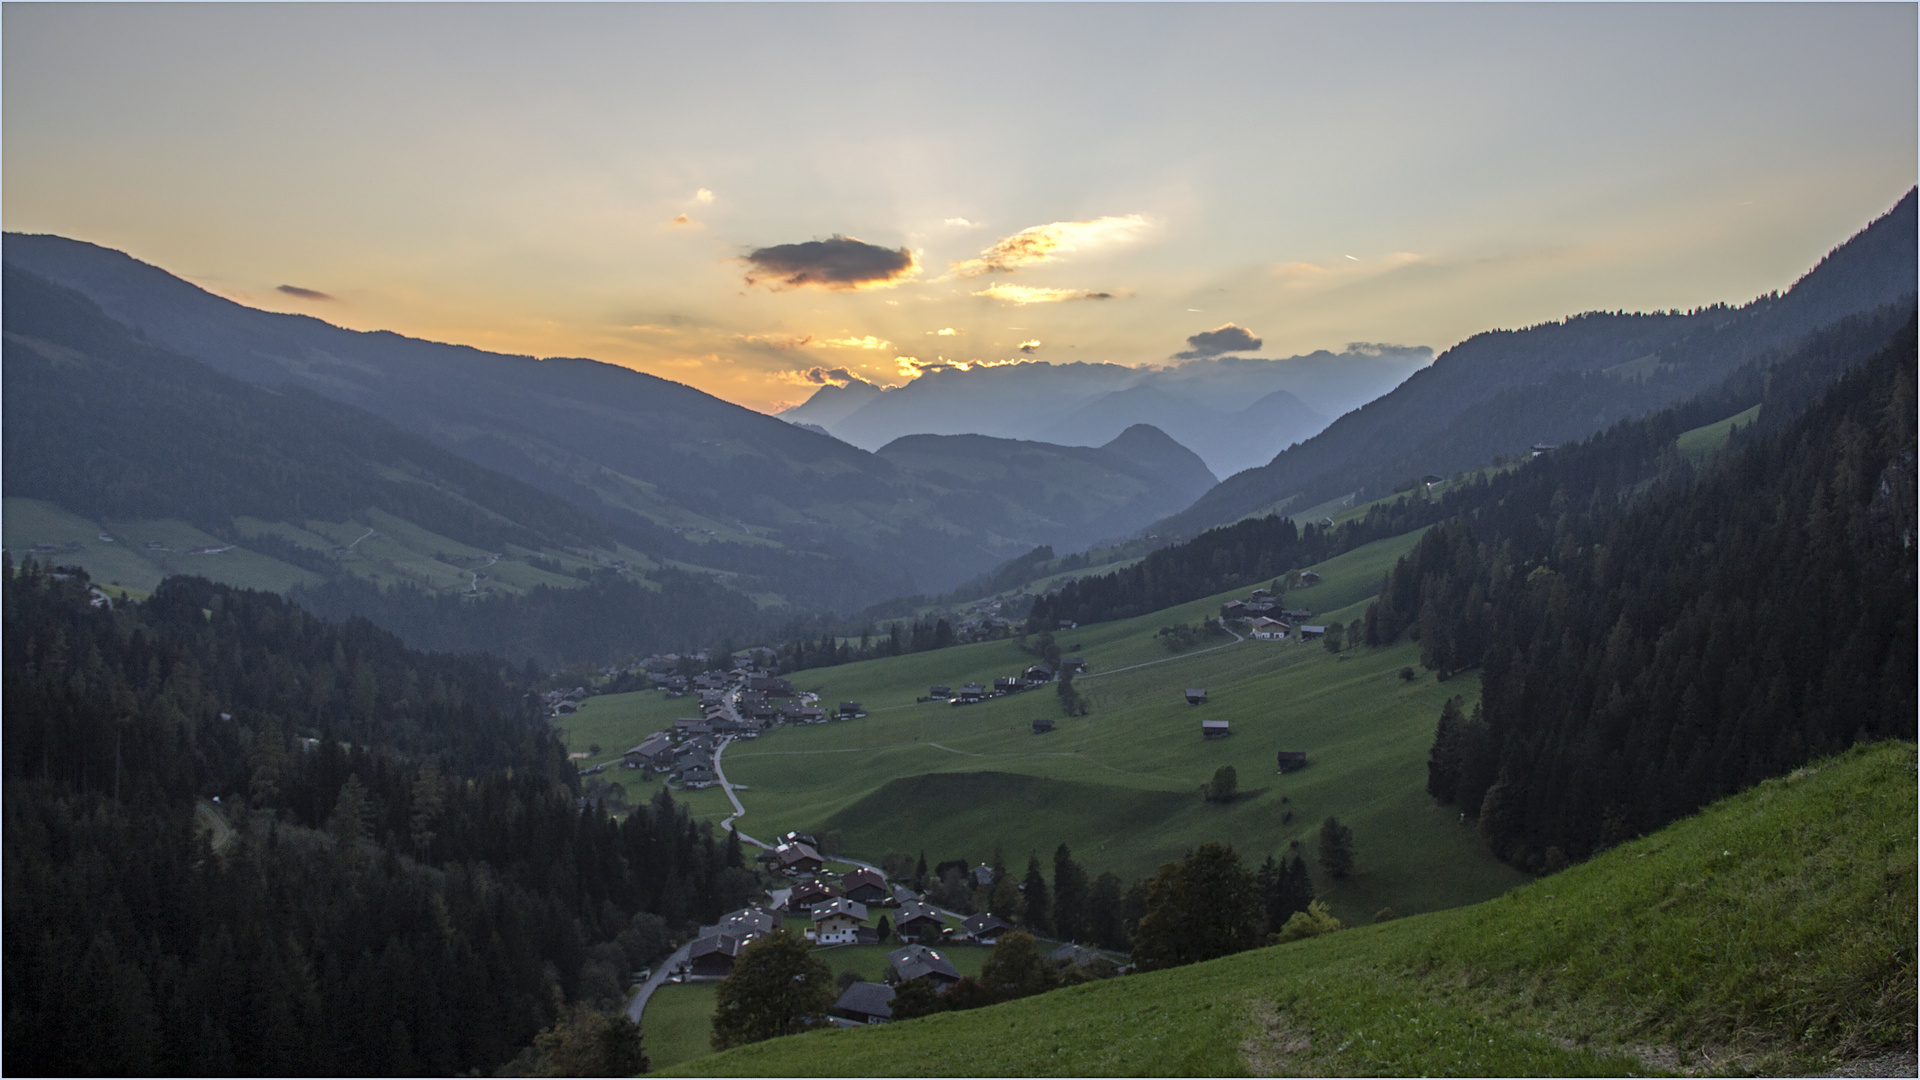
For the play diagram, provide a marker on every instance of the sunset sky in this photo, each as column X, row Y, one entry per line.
column 735, row 195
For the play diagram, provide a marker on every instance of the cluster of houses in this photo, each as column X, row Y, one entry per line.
column 1036, row 675
column 837, row 909
column 1267, row 620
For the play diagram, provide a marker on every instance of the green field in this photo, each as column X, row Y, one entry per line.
column 1121, row 786
column 398, row 551
column 1771, row 934
column 1704, row 440
column 678, row 1024
column 127, row 561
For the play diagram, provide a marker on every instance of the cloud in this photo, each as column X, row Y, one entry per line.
column 1030, row 347
column 1043, row 242
column 304, row 294
column 1027, row 294
column 867, row 342
column 1222, row 339
column 770, row 341
column 945, row 331
column 841, row 262
column 912, row 367
column 962, row 223
column 703, row 196
column 682, row 219
column 839, row 376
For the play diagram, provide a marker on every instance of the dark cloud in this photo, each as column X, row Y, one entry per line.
column 304, row 294
column 1221, row 339
column 841, row 262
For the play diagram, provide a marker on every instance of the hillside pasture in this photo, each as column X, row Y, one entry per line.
column 1770, row 934
column 1121, row 786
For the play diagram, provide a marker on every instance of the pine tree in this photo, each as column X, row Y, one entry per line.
column 1336, row 849
column 1205, row 906
column 1069, row 896
column 1035, row 909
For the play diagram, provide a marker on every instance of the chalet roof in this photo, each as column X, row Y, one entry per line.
column 985, row 923
column 983, row 874
column 862, row 876
column 915, row 909
column 652, row 747
column 915, row 961
column 812, row 890
column 723, row 944
column 790, row 854
column 744, row 923
column 852, row 909
column 867, row 999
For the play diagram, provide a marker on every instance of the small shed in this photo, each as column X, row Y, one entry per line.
column 1043, row 725
column 1292, row 760
column 1196, row 696
column 1214, row 729
column 940, row 691
column 1310, row 632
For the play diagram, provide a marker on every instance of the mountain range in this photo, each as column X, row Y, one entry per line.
column 1236, row 412
column 680, row 476
column 1502, row 391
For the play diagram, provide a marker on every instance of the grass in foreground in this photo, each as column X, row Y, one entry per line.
column 1771, row 933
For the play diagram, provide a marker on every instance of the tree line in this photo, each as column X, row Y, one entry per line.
column 399, row 875
column 1651, row 637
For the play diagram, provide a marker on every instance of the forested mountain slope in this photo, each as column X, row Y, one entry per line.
column 1600, row 470
column 1642, row 654
column 240, row 840
column 1074, row 493
column 1501, row 391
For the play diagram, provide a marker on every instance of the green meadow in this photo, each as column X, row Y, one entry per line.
column 678, row 1024
column 1772, row 933
column 398, row 551
column 1707, row 438
column 1121, row 786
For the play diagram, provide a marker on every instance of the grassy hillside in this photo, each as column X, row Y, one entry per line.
column 397, row 551
column 1771, row 933
column 1121, row 785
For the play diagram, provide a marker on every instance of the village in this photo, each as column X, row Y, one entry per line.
column 859, row 907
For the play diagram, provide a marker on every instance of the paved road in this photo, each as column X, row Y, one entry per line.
column 739, row 811
column 638, row 1005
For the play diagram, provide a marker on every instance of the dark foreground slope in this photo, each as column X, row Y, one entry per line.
column 1773, row 933
column 242, row 841
column 1501, row 391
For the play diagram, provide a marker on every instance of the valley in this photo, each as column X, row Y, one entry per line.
column 1120, row 785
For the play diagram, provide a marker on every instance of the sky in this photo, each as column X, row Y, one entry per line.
column 753, row 198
